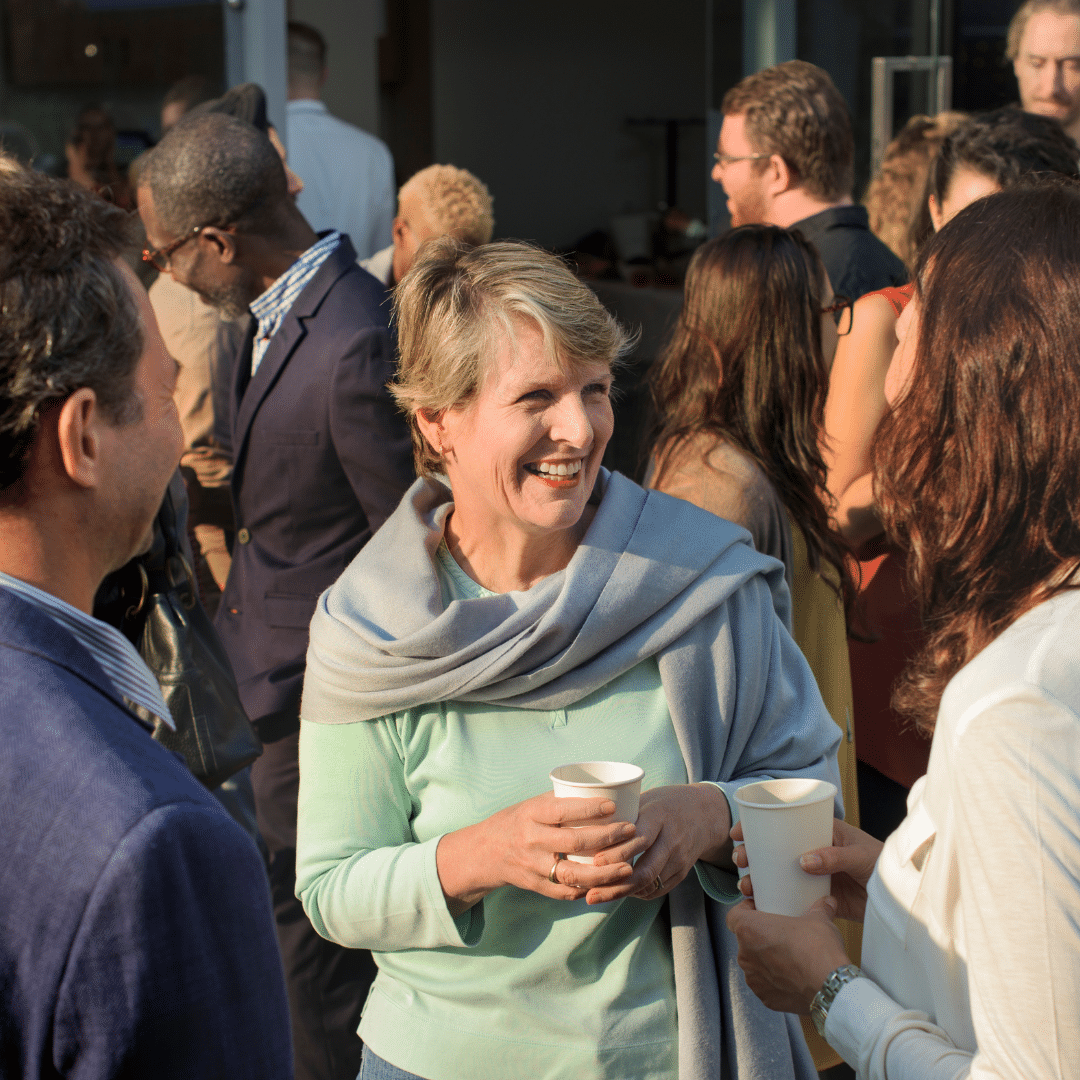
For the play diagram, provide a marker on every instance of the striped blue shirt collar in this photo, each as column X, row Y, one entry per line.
column 273, row 305
column 118, row 658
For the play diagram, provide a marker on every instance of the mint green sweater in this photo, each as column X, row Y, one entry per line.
column 520, row 985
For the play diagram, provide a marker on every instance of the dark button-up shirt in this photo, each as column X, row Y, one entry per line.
column 856, row 260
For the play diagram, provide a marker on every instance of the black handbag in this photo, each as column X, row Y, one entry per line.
column 153, row 600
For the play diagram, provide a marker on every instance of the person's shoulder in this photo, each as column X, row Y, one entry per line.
column 875, row 311
column 357, row 300
column 78, row 774
column 1036, row 659
column 68, row 737
column 721, row 472
column 348, row 299
column 324, row 121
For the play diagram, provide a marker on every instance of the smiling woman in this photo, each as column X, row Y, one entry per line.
column 524, row 609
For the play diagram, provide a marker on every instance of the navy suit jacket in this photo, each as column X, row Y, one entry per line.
column 136, row 931
column 321, row 458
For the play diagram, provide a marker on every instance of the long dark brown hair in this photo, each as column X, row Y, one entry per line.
column 745, row 364
column 977, row 467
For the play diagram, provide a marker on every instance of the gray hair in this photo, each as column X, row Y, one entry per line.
column 458, row 302
column 70, row 320
column 214, row 169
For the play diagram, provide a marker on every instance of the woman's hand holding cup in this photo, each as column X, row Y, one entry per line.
column 676, row 826
column 850, row 860
column 523, row 846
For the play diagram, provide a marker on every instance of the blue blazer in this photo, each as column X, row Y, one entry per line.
column 136, row 931
column 321, row 458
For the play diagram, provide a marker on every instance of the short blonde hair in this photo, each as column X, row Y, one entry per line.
column 1025, row 11
column 457, row 203
column 459, row 302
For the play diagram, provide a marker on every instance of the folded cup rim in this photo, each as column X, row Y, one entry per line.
column 824, row 791
column 634, row 779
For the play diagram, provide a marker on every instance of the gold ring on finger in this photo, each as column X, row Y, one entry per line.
column 657, row 885
column 551, row 873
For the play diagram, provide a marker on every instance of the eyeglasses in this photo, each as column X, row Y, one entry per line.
column 843, row 308
column 160, row 258
column 724, row 160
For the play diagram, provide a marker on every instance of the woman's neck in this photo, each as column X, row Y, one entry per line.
column 509, row 560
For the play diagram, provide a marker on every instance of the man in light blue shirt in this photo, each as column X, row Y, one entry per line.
column 348, row 174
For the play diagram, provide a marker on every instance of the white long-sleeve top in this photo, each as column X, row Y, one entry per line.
column 972, row 935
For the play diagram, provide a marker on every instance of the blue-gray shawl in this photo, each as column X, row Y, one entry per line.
column 653, row 576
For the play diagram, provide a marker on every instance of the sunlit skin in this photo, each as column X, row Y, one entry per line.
column 144, row 454
column 857, row 388
column 965, row 186
column 1047, row 68
column 903, row 362
column 513, row 523
column 293, row 182
column 763, row 191
column 412, row 227
column 227, row 268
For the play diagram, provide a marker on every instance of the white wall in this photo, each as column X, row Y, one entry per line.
column 533, row 98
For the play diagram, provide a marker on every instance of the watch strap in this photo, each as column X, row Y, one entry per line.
column 823, row 999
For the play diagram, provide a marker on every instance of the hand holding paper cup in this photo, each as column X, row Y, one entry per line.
column 782, row 820
column 614, row 780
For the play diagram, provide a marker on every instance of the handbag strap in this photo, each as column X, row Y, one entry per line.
column 167, row 568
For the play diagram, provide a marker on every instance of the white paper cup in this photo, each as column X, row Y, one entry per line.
column 782, row 820
column 614, row 780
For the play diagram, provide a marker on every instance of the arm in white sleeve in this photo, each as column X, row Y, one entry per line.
column 1014, row 798
column 364, row 880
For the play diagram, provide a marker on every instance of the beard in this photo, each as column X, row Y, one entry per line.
column 231, row 299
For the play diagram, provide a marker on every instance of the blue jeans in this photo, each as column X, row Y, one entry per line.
column 374, row 1068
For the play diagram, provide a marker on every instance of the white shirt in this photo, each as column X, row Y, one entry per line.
column 381, row 264
column 271, row 306
column 972, row 932
column 348, row 176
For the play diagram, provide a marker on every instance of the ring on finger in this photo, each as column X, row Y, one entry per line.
column 551, row 873
column 657, row 885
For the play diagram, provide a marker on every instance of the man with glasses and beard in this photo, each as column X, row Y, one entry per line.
column 785, row 158
column 321, row 458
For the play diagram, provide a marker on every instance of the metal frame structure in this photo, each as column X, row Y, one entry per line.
column 255, row 51
column 938, row 70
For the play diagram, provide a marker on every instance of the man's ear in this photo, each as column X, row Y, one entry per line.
column 222, row 241
column 779, row 176
column 433, row 429
column 78, row 432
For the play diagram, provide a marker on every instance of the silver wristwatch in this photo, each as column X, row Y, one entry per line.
column 823, row 999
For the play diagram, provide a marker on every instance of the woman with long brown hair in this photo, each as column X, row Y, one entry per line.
column 739, row 396
column 971, row 946
column 984, row 154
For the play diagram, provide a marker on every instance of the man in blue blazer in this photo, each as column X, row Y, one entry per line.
column 136, row 931
column 321, row 458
